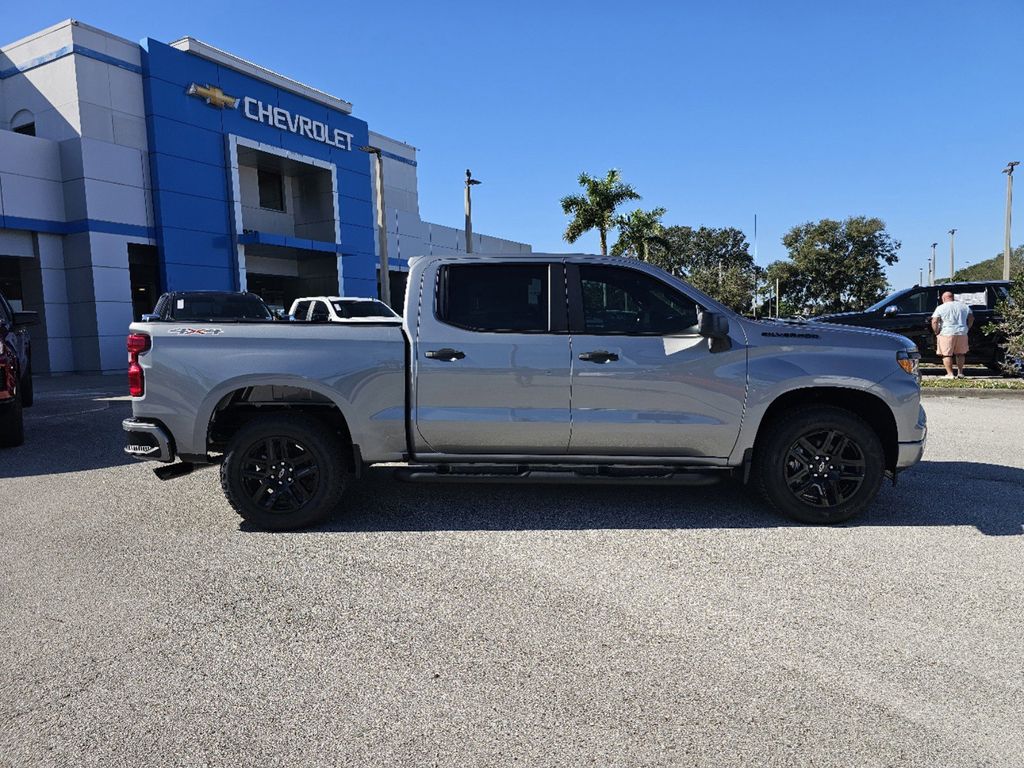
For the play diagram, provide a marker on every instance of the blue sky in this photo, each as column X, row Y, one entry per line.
column 719, row 110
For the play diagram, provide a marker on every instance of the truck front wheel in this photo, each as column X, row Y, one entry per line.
column 284, row 472
column 819, row 464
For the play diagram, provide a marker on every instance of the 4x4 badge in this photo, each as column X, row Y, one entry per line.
column 195, row 331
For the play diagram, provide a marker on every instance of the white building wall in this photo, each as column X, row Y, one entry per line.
column 408, row 235
column 91, row 116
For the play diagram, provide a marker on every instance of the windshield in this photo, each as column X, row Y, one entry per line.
column 363, row 309
column 219, row 306
column 890, row 299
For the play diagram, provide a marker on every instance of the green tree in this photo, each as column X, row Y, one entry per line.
column 595, row 208
column 716, row 261
column 1011, row 327
column 835, row 266
column 989, row 269
column 638, row 231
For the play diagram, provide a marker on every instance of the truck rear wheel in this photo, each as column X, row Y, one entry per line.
column 284, row 472
column 819, row 465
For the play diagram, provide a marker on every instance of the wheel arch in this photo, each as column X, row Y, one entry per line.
column 239, row 402
column 870, row 407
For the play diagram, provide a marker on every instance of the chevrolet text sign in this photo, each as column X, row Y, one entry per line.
column 278, row 117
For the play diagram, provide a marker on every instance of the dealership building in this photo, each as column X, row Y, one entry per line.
column 131, row 169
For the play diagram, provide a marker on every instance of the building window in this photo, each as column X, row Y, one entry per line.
column 24, row 122
column 271, row 190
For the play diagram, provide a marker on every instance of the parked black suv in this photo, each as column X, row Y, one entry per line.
column 908, row 312
column 15, row 372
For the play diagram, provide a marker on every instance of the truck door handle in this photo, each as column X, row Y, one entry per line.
column 599, row 356
column 447, row 354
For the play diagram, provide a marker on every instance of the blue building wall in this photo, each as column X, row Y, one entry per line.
column 191, row 178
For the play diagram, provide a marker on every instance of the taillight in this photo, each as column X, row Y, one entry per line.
column 137, row 344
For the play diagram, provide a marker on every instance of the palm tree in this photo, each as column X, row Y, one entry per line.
column 595, row 209
column 637, row 230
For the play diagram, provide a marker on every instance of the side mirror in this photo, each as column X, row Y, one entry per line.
column 25, row 319
column 713, row 325
column 892, row 309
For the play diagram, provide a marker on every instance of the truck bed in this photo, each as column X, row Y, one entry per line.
column 360, row 368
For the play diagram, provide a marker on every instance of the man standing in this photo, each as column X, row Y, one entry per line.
column 951, row 322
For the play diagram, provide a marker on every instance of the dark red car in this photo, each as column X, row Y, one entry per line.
column 15, row 371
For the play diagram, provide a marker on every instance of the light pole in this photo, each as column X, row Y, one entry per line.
column 382, row 234
column 931, row 271
column 1008, row 170
column 952, row 240
column 470, row 182
column 920, row 275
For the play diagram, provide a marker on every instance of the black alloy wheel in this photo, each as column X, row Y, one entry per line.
column 824, row 468
column 819, row 464
column 282, row 472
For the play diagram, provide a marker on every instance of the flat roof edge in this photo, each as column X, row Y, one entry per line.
column 29, row 38
column 212, row 53
column 61, row 25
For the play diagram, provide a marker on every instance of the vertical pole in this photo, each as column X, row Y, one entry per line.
column 920, row 275
column 777, row 305
column 931, row 271
column 952, row 241
column 469, row 214
column 1009, row 212
column 382, row 232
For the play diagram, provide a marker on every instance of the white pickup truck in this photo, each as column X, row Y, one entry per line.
column 537, row 367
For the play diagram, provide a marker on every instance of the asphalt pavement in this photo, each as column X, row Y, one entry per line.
column 141, row 625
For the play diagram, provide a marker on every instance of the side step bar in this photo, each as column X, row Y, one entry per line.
column 558, row 474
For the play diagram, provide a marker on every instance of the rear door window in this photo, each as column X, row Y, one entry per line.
column 320, row 313
column 495, row 298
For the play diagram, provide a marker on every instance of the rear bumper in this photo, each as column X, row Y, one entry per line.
column 147, row 441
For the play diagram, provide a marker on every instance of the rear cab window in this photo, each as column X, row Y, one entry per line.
column 498, row 298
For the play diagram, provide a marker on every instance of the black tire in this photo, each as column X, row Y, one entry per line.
column 12, row 423
column 295, row 457
column 819, row 464
column 27, row 392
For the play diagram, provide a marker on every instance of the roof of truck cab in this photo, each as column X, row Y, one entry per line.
column 337, row 298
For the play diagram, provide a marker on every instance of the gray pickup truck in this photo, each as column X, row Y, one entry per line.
column 540, row 367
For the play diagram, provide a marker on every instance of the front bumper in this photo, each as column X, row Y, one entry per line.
column 147, row 441
column 910, row 452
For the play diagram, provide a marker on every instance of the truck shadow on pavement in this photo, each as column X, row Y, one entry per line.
column 988, row 497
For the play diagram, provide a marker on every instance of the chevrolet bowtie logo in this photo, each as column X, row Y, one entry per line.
column 213, row 95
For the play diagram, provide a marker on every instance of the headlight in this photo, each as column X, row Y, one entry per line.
column 908, row 360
